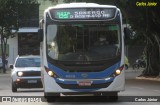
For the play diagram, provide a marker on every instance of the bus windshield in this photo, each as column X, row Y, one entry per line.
column 83, row 42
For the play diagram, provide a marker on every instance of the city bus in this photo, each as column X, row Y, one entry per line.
column 82, row 50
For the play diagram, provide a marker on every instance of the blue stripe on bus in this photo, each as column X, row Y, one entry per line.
column 93, row 82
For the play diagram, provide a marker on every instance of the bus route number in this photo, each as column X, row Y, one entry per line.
column 63, row 15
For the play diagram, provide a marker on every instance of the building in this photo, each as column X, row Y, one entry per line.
column 26, row 40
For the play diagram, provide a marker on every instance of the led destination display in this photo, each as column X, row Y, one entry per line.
column 83, row 13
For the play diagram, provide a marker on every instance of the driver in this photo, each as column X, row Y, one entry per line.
column 101, row 41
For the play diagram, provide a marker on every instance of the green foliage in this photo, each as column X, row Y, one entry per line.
column 10, row 13
column 92, row 1
column 8, row 16
column 145, row 20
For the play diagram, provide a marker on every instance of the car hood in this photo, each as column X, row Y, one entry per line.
column 27, row 69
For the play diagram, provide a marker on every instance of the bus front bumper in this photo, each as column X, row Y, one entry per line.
column 51, row 86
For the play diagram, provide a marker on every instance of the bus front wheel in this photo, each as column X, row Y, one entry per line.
column 51, row 97
column 112, row 96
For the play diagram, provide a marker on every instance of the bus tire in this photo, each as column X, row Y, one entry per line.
column 51, row 98
column 111, row 96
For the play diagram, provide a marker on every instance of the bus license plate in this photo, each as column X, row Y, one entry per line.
column 32, row 81
column 84, row 83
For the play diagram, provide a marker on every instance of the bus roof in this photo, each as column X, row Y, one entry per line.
column 81, row 5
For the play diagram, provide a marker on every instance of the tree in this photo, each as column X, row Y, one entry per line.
column 145, row 20
column 93, row 1
column 11, row 11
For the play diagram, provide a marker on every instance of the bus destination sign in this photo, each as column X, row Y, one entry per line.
column 84, row 14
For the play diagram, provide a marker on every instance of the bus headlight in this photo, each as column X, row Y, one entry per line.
column 117, row 72
column 20, row 73
column 50, row 72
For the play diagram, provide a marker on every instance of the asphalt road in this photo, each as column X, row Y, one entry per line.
column 136, row 92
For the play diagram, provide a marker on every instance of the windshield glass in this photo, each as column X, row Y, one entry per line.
column 28, row 62
column 83, row 42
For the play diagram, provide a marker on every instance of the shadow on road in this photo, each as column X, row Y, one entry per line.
column 29, row 90
column 81, row 99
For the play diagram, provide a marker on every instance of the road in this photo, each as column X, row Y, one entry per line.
column 135, row 91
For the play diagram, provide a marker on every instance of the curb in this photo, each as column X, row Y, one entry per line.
column 151, row 79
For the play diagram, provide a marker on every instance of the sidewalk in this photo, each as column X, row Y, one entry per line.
column 143, row 78
column 8, row 72
column 149, row 78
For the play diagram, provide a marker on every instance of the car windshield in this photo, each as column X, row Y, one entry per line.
column 83, row 42
column 28, row 62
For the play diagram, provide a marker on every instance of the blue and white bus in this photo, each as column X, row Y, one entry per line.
column 82, row 50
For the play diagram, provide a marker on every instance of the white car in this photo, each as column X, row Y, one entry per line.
column 26, row 72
